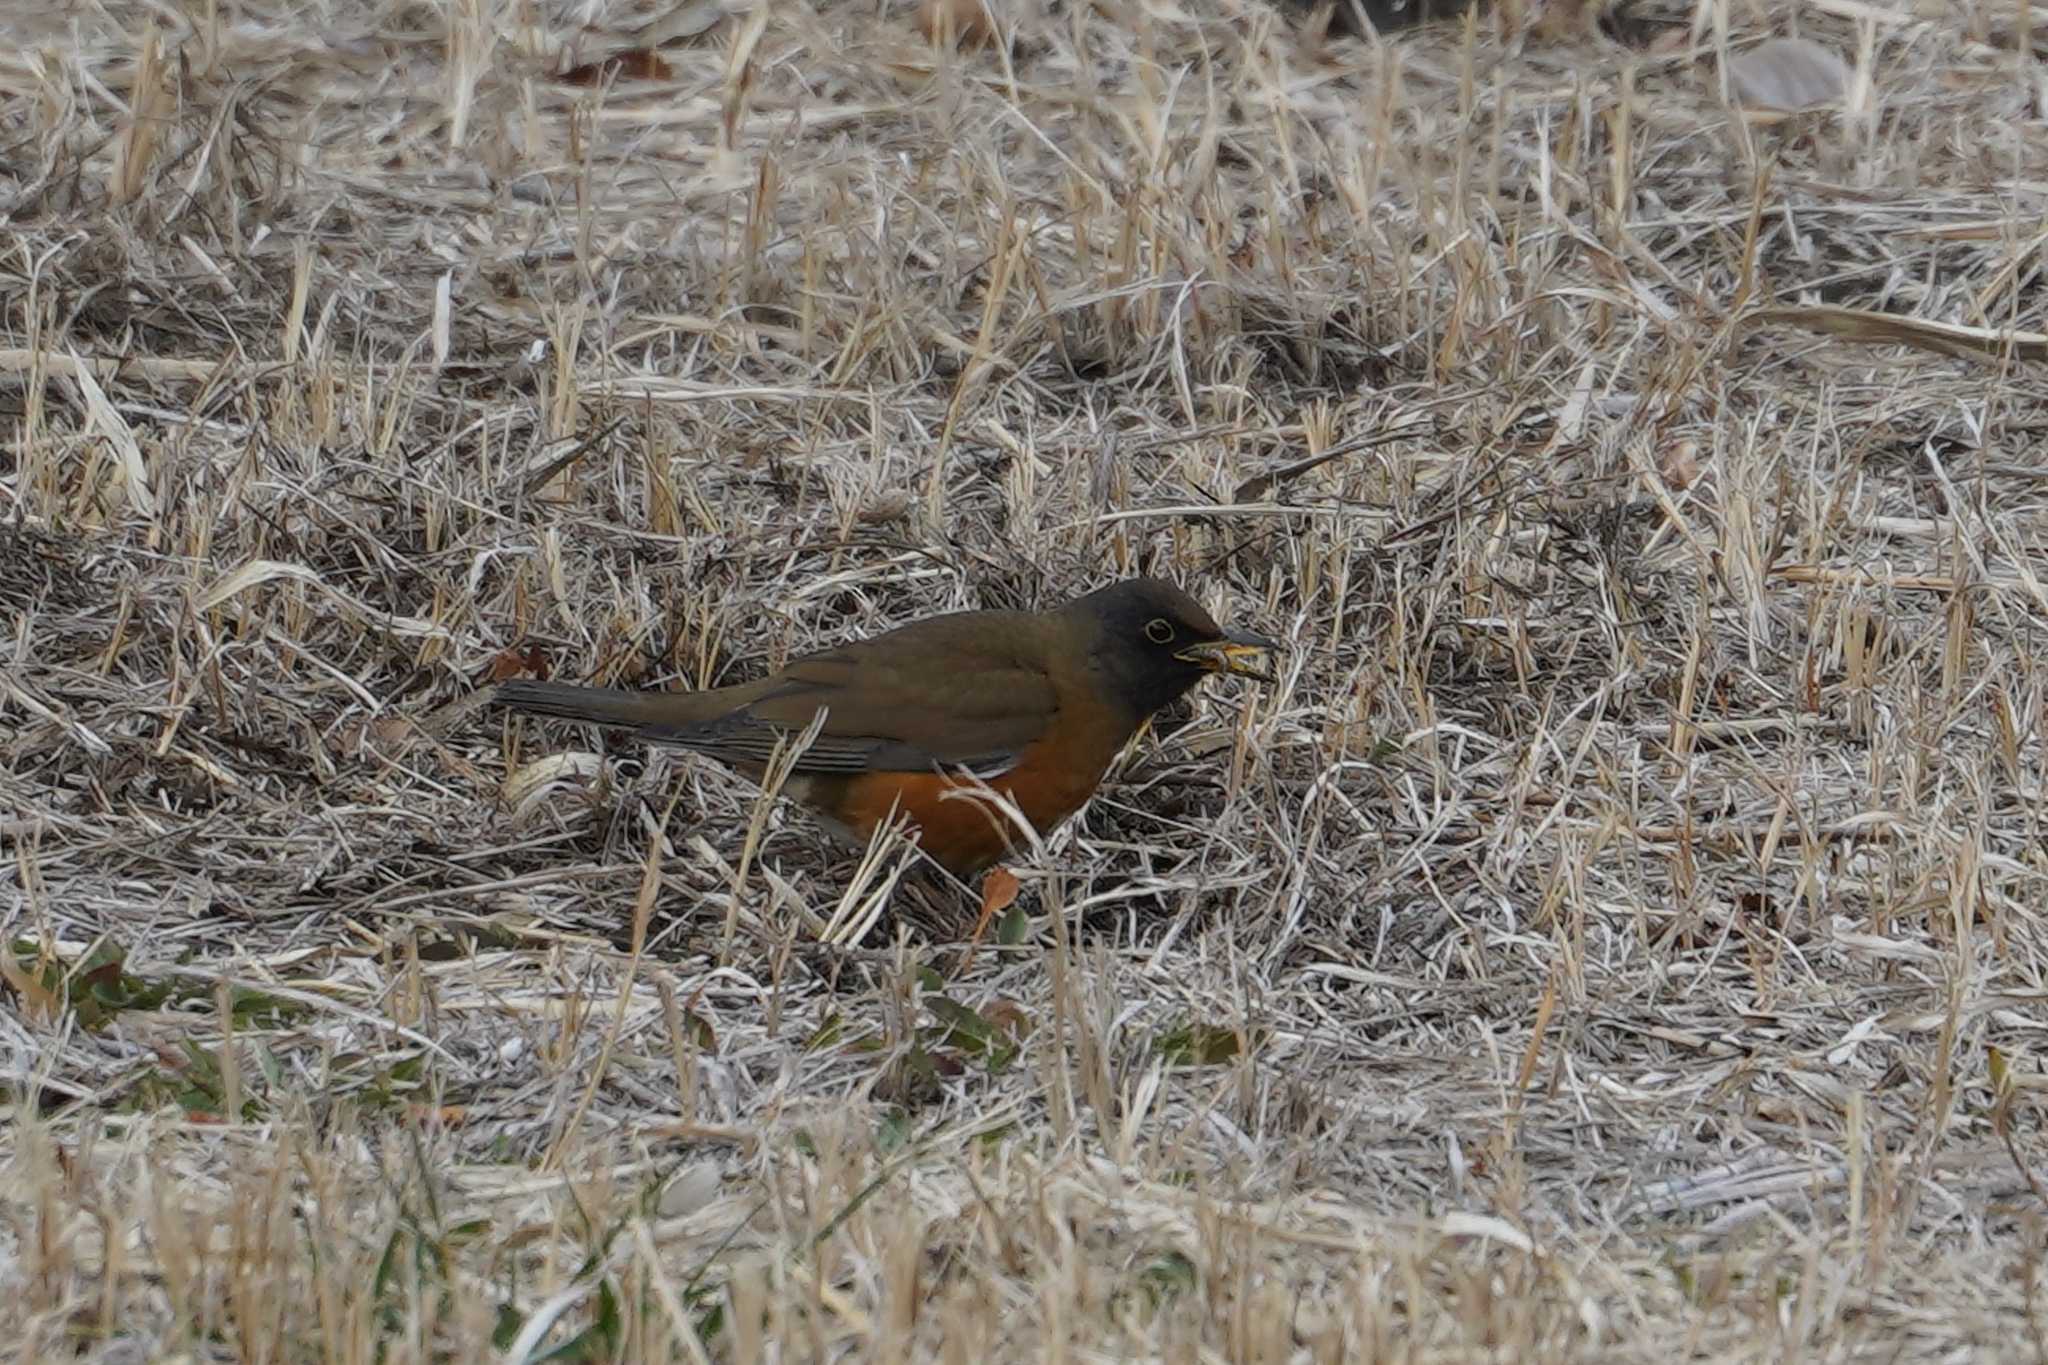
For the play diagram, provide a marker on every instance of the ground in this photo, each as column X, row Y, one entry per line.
column 1619, row 933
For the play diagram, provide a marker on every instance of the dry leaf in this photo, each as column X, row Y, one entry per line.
column 260, row 571
column 529, row 784
column 37, row 1000
column 964, row 23
column 109, row 422
column 391, row 733
column 1561, row 20
column 1009, row 1017
column 998, row 892
column 1949, row 338
column 886, row 507
column 999, row 889
column 151, row 108
column 438, row 1115
column 1679, row 463
column 638, row 64
column 511, row 663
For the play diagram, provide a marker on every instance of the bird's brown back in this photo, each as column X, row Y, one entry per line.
column 969, row 689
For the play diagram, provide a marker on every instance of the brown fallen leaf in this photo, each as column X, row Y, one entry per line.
column 962, row 23
column 1010, row 1018
column 511, row 663
column 1679, row 463
column 1555, row 21
column 638, row 64
column 37, row 1000
column 438, row 1115
column 999, row 889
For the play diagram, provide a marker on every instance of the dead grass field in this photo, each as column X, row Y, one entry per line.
column 1620, row 936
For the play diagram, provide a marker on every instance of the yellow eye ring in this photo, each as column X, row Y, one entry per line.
column 1159, row 630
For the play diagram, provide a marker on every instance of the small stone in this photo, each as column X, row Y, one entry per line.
column 1786, row 75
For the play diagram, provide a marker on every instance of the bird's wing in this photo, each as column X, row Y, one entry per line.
column 948, row 692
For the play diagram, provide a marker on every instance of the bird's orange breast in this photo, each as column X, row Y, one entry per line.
column 958, row 826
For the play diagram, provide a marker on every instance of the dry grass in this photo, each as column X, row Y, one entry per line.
column 1621, row 935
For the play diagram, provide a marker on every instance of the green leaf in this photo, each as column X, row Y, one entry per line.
column 893, row 1131
column 1167, row 1278
column 1014, row 927
column 1200, row 1045
column 260, row 1007
column 829, row 1031
column 700, row 1033
column 975, row 1034
column 387, row 1265
column 965, row 1029
column 466, row 1232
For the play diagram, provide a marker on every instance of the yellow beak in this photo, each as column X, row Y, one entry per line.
column 1238, row 652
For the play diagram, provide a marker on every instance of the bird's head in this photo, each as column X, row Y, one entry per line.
column 1155, row 642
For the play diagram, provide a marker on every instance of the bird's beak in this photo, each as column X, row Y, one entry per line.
column 1238, row 652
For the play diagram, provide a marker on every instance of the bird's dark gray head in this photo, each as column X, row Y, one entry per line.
column 1153, row 642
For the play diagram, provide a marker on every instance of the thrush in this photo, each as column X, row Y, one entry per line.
column 920, row 719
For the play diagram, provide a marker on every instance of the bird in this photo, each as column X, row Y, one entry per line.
column 1033, row 704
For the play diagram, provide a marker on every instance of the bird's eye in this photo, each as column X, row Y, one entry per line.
column 1159, row 630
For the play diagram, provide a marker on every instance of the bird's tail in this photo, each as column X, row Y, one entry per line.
column 598, row 705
